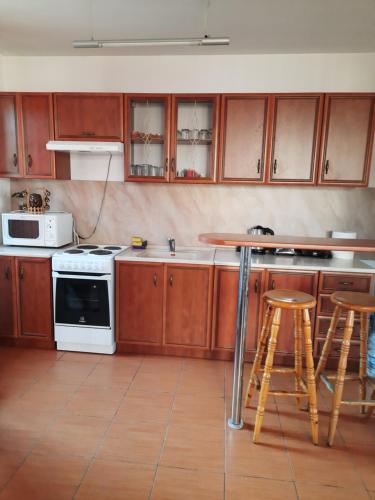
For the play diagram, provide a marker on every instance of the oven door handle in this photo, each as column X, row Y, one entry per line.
column 83, row 276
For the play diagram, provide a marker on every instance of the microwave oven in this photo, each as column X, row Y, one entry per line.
column 50, row 229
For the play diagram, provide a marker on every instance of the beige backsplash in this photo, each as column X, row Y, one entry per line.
column 158, row 211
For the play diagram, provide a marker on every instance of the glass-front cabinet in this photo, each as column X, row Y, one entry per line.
column 147, row 134
column 194, row 138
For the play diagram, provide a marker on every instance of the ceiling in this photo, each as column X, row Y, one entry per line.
column 47, row 27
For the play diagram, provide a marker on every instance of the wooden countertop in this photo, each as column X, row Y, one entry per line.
column 302, row 242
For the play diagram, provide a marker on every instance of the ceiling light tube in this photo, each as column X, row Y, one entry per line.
column 157, row 42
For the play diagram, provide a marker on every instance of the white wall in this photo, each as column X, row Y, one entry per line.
column 233, row 73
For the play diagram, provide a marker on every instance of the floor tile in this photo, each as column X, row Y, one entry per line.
column 145, row 406
column 154, row 382
column 95, row 401
column 46, row 478
column 10, row 461
column 108, row 375
column 193, row 409
column 183, row 484
column 245, row 488
column 310, row 491
column 111, row 480
column 363, row 458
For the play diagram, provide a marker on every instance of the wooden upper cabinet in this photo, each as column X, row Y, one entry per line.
column 9, row 151
column 7, row 297
column 348, row 135
column 188, row 305
column 295, row 131
column 89, row 117
column 243, row 138
column 37, row 130
column 303, row 281
column 34, row 285
column 139, row 299
column 194, row 135
column 147, row 137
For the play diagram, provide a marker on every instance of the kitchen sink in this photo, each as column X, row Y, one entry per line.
column 178, row 254
column 163, row 254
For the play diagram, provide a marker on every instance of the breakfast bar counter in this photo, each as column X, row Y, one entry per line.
column 246, row 242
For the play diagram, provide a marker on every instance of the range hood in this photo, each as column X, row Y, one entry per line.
column 86, row 147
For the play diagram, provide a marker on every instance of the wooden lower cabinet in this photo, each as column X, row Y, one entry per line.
column 140, row 294
column 27, row 308
column 304, row 281
column 225, row 310
column 163, row 308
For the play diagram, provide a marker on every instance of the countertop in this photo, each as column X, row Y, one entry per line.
column 13, row 251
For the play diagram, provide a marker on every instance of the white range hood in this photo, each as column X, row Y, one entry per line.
column 86, row 147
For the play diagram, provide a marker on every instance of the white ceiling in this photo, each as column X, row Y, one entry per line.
column 47, row 27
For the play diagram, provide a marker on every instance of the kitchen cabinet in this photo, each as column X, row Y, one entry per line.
column 225, row 309
column 34, row 297
column 348, row 134
column 7, row 294
column 243, row 137
column 89, row 117
column 304, row 281
column 187, row 307
column 163, row 308
column 194, row 134
column 147, row 137
column 295, row 125
column 9, row 151
column 139, row 303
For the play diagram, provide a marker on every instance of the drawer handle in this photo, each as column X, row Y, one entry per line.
column 346, row 283
column 29, row 161
column 326, row 168
column 275, row 166
column 166, row 164
column 273, row 285
column 256, row 286
column 155, row 279
column 170, row 280
column 15, row 159
column 258, row 166
column 21, row 272
column 7, row 273
column 88, row 133
column 172, row 165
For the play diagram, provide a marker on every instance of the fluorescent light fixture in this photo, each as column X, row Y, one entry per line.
column 150, row 42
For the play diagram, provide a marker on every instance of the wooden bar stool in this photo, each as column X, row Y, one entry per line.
column 364, row 304
column 299, row 303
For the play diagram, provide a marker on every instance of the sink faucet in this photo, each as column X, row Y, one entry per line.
column 172, row 245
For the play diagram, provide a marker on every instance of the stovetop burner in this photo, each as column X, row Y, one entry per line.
column 73, row 250
column 112, row 247
column 100, row 252
column 88, row 247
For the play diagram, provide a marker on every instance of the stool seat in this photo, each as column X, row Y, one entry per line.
column 289, row 299
column 357, row 301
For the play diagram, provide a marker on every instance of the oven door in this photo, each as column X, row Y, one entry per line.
column 82, row 300
column 23, row 230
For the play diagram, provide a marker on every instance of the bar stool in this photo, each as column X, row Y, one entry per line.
column 364, row 304
column 299, row 303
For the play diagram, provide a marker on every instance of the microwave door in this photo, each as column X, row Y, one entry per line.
column 24, row 231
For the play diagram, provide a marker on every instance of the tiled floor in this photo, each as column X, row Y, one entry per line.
column 130, row 427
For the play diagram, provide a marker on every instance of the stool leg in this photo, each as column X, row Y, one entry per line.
column 267, row 373
column 363, row 359
column 266, row 327
column 298, row 352
column 310, row 379
column 370, row 409
column 340, row 376
column 327, row 345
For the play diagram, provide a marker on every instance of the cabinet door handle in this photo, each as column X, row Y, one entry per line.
column 258, row 166
column 166, row 164
column 273, row 285
column 326, row 167
column 275, row 166
column 15, row 159
column 29, row 161
column 172, row 165
column 256, row 286
column 171, row 280
column 155, row 279
column 21, row 272
column 345, row 283
column 7, row 273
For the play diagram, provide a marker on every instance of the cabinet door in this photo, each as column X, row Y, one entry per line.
column 194, row 138
column 34, row 297
column 188, row 305
column 9, row 154
column 147, row 135
column 347, row 139
column 140, row 290
column 89, row 117
column 243, row 137
column 6, row 300
column 225, row 308
column 37, row 127
column 295, row 132
column 304, row 282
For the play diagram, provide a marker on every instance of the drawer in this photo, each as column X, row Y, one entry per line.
column 326, row 307
column 322, row 326
column 336, row 349
column 331, row 282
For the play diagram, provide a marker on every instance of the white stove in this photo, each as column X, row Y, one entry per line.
column 84, row 297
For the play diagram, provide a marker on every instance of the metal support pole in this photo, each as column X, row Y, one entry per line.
column 236, row 422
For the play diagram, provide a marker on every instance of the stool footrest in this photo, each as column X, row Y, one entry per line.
column 299, row 394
